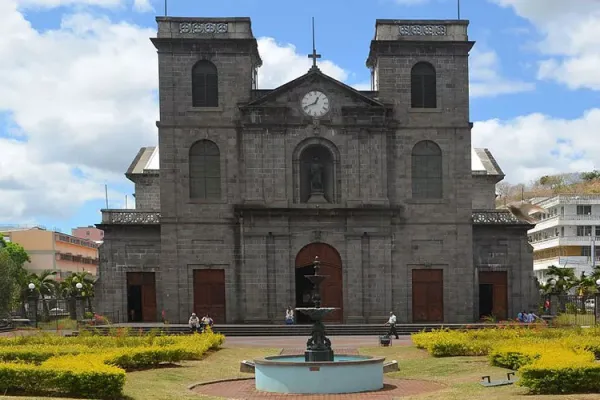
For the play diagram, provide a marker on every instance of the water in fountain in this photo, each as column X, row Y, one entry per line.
column 318, row 346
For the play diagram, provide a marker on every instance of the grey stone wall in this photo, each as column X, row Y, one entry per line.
column 125, row 249
column 505, row 248
column 484, row 192
column 147, row 191
column 371, row 140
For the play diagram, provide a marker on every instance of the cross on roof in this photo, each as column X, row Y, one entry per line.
column 314, row 54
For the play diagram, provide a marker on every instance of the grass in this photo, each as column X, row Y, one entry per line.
column 63, row 324
column 575, row 320
column 460, row 375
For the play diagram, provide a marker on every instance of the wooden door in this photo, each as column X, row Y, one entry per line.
column 209, row 294
column 499, row 282
column 142, row 285
column 428, row 295
column 332, row 293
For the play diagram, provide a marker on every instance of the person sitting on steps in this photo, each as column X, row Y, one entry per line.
column 194, row 323
column 392, row 323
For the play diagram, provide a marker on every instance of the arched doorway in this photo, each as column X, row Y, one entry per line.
column 332, row 293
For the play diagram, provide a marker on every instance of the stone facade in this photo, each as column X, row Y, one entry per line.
column 260, row 222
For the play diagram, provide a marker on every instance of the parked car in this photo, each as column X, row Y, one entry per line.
column 55, row 311
column 590, row 304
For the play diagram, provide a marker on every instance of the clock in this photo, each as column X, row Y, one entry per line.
column 315, row 104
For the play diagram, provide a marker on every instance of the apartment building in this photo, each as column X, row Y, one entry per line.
column 568, row 235
column 56, row 251
column 89, row 232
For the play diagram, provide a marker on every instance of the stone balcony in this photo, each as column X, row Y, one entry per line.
column 130, row 217
column 495, row 217
column 145, row 217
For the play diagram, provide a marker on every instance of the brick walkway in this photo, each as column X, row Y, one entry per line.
column 245, row 390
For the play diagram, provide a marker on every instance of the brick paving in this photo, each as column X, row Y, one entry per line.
column 245, row 390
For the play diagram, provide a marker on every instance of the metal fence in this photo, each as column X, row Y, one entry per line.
column 573, row 310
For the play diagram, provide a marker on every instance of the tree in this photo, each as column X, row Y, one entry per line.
column 7, row 283
column 45, row 286
column 565, row 279
column 68, row 290
column 16, row 252
column 590, row 176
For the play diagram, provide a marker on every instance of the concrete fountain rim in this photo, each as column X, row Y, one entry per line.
column 272, row 360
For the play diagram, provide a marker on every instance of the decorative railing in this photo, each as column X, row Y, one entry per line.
column 130, row 217
column 495, row 217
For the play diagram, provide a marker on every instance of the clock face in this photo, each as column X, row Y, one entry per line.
column 315, row 103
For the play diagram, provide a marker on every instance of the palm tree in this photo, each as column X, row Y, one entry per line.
column 46, row 286
column 69, row 291
column 564, row 278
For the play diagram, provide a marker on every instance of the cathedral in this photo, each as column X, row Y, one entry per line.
column 247, row 186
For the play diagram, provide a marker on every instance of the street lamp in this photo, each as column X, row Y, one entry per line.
column 33, row 301
column 597, row 301
column 79, row 301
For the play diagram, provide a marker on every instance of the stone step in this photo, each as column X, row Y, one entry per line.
column 290, row 330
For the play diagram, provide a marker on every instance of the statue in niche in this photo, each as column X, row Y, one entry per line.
column 316, row 176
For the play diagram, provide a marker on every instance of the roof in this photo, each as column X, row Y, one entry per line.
column 146, row 159
column 484, row 163
column 312, row 73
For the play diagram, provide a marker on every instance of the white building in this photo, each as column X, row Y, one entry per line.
column 567, row 236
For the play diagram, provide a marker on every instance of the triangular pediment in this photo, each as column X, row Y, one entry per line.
column 314, row 77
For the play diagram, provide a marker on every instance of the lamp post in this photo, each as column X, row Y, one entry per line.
column 78, row 301
column 552, row 283
column 33, row 302
column 597, row 301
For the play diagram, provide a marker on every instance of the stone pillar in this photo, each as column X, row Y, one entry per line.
column 79, row 307
column 597, row 305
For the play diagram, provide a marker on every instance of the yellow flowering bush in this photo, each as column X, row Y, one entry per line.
column 91, row 366
column 549, row 361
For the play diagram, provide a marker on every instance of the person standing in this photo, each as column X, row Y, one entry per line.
column 392, row 323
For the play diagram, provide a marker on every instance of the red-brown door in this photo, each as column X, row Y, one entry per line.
column 498, row 280
column 209, row 294
column 428, row 295
column 141, row 296
column 332, row 294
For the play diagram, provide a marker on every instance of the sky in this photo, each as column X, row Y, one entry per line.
column 79, row 78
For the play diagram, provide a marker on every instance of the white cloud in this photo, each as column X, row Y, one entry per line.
column 486, row 79
column 530, row 146
column 81, row 100
column 570, row 39
column 282, row 63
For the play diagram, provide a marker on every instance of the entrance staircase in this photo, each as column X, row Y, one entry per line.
column 287, row 330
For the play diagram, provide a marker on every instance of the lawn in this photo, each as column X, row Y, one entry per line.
column 461, row 375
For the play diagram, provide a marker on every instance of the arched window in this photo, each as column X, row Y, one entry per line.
column 423, row 86
column 205, row 170
column 427, row 169
column 205, row 85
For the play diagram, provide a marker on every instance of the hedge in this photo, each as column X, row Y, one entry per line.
column 556, row 361
column 91, row 366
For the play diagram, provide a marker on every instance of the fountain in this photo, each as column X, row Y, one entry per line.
column 319, row 370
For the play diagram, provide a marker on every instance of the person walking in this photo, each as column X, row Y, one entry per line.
column 392, row 323
column 289, row 316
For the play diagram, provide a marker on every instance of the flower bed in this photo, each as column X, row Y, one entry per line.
column 549, row 361
column 90, row 366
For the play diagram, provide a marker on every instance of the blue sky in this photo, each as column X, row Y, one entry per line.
column 531, row 87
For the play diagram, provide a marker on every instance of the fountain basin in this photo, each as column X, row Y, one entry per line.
column 346, row 374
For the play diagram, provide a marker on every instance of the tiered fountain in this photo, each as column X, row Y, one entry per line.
column 319, row 370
